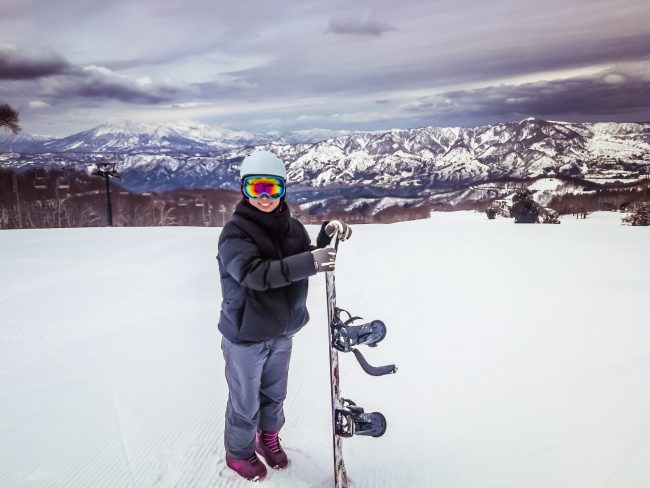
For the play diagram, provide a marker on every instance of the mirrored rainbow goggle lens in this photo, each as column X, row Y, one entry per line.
column 257, row 186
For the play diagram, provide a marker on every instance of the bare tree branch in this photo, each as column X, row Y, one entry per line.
column 9, row 118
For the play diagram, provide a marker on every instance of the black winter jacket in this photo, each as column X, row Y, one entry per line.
column 264, row 265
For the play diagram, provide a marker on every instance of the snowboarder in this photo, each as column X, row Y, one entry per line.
column 265, row 259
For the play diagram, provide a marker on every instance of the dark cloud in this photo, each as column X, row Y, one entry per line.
column 484, row 63
column 610, row 92
column 280, row 64
column 363, row 27
column 19, row 65
column 51, row 78
column 373, row 71
column 101, row 83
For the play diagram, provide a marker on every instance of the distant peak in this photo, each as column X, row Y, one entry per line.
column 125, row 126
column 533, row 119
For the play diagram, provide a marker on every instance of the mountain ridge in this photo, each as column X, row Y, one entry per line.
column 405, row 161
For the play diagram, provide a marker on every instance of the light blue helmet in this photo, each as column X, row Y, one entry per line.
column 262, row 163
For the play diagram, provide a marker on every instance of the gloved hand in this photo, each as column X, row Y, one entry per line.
column 343, row 229
column 324, row 259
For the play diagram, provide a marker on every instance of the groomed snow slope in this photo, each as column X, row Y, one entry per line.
column 523, row 354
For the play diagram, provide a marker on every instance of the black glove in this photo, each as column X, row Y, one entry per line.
column 324, row 259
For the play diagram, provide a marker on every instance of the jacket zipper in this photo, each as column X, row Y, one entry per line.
column 278, row 250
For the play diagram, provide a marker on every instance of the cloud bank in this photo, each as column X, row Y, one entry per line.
column 266, row 65
column 20, row 65
column 624, row 89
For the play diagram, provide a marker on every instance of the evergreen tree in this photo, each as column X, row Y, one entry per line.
column 640, row 214
column 524, row 208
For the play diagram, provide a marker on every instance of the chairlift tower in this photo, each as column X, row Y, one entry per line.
column 106, row 170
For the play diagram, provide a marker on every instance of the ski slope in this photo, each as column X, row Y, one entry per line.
column 523, row 354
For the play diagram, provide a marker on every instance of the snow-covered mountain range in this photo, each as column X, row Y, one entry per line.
column 131, row 137
column 136, row 138
column 396, row 163
column 424, row 157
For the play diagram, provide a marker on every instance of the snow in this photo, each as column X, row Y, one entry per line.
column 546, row 184
column 523, row 355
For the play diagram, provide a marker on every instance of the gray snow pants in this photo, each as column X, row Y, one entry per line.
column 257, row 375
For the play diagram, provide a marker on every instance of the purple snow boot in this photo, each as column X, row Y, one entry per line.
column 252, row 468
column 268, row 445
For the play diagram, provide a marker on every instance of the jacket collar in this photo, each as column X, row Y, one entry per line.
column 276, row 222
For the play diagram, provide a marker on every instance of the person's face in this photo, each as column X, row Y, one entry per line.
column 265, row 204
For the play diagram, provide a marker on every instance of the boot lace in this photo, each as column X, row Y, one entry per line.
column 253, row 459
column 272, row 441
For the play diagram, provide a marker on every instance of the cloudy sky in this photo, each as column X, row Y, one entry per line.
column 262, row 65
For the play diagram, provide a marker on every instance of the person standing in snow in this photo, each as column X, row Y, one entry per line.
column 265, row 259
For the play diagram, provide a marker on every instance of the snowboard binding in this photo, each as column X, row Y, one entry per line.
column 352, row 420
column 345, row 336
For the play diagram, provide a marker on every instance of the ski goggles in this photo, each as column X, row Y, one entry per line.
column 258, row 186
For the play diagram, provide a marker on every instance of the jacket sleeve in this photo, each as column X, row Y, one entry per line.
column 240, row 257
column 323, row 240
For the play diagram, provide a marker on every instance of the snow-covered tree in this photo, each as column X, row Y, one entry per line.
column 550, row 216
column 640, row 214
column 524, row 208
